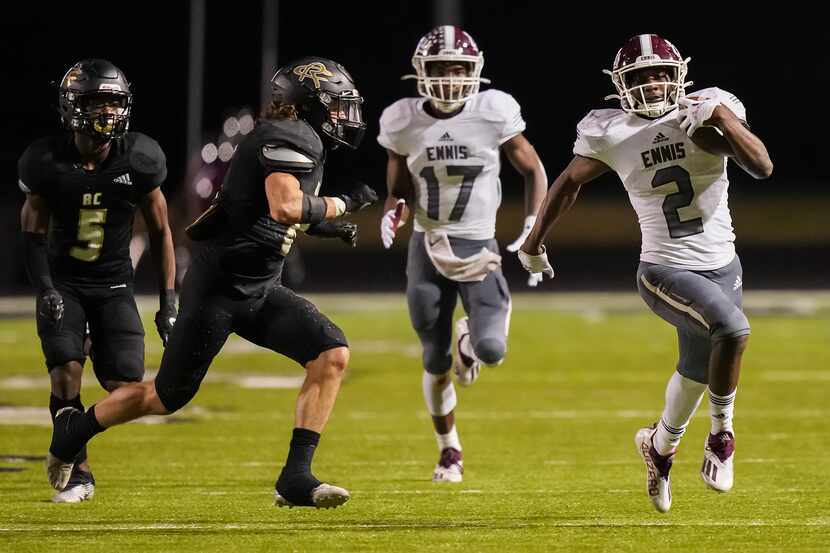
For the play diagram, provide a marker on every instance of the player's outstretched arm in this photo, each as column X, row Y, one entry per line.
column 154, row 210
column 560, row 197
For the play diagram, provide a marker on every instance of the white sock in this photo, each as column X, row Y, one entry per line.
column 683, row 397
column 450, row 439
column 721, row 409
column 440, row 401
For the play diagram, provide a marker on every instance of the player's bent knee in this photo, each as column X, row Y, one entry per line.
column 490, row 350
column 336, row 358
column 436, row 362
column 66, row 372
column 733, row 327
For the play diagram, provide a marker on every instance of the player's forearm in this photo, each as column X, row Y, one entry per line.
column 558, row 200
column 536, row 184
column 161, row 248
column 37, row 260
column 748, row 149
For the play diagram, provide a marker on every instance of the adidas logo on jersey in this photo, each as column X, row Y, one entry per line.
column 445, row 137
column 660, row 138
column 738, row 283
column 123, row 179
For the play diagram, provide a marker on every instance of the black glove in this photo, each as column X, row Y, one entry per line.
column 50, row 306
column 360, row 196
column 166, row 315
column 344, row 230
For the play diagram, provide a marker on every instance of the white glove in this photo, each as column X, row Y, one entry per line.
column 517, row 243
column 533, row 279
column 692, row 114
column 536, row 264
column 389, row 224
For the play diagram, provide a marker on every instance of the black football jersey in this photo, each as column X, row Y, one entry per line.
column 92, row 212
column 254, row 243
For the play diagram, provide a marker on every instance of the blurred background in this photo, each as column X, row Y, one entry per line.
column 199, row 72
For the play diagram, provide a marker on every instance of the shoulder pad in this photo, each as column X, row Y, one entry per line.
column 292, row 134
column 279, row 157
column 146, row 156
column 397, row 116
column 726, row 98
column 34, row 165
column 495, row 101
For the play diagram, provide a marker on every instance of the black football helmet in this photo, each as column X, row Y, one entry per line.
column 84, row 88
column 325, row 96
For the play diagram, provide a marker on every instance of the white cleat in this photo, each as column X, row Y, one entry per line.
column 58, row 472
column 718, row 453
column 324, row 496
column 465, row 365
column 81, row 487
column 658, row 482
column 450, row 467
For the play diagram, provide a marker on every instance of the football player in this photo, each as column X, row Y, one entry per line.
column 269, row 191
column 443, row 153
column 670, row 149
column 82, row 190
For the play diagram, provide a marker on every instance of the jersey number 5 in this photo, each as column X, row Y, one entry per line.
column 673, row 202
column 468, row 174
column 90, row 230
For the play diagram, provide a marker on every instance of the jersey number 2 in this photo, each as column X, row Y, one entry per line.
column 468, row 174
column 90, row 230
column 682, row 198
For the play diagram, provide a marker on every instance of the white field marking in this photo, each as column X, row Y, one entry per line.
column 283, row 382
column 796, row 376
column 76, row 528
column 40, row 416
column 614, row 462
column 795, row 302
column 406, row 349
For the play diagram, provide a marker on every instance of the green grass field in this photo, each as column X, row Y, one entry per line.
column 548, row 444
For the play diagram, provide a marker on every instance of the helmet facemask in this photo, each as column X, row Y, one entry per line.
column 342, row 119
column 632, row 96
column 447, row 92
column 103, row 115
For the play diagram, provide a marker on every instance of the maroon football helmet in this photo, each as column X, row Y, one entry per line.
column 648, row 51
column 448, row 44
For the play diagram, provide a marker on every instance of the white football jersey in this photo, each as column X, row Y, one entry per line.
column 678, row 190
column 454, row 163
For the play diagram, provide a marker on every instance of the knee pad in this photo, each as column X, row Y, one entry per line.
column 440, row 402
column 732, row 325
column 436, row 362
column 490, row 351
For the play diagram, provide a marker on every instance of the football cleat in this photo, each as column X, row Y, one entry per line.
column 658, row 483
column 718, row 454
column 81, row 487
column 465, row 365
column 324, row 496
column 57, row 470
column 450, row 467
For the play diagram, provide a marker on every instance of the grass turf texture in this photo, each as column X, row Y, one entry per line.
column 548, row 442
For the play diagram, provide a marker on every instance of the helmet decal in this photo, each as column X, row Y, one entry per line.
column 315, row 71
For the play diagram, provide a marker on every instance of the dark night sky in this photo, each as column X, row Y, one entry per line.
column 551, row 65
